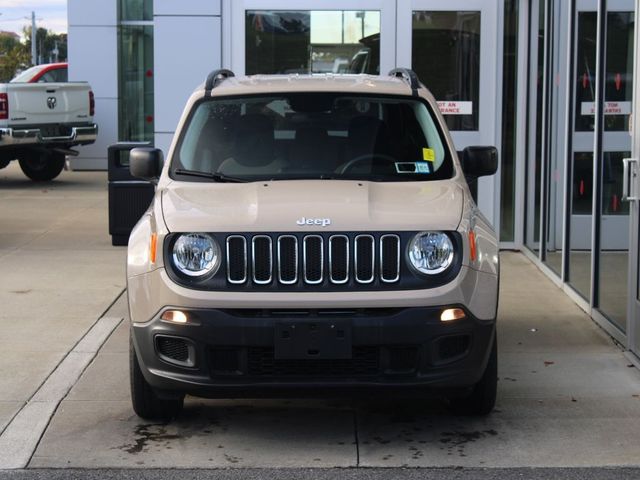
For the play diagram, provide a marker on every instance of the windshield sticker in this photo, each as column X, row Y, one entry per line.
column 413, row 167
column 428, row 154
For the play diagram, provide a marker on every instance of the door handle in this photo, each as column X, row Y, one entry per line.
column 629, row 166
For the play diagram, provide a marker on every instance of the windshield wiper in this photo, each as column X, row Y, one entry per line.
column 217, row 177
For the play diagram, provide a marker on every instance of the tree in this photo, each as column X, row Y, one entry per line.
column 46, row 43
column 13, row 56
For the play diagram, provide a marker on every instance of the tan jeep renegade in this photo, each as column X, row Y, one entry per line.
column 312, row 236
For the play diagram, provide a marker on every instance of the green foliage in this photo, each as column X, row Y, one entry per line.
column 46, row 42
column 13, row 56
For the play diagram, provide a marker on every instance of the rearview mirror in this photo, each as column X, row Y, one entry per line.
column 479, row 161
column 146, row 163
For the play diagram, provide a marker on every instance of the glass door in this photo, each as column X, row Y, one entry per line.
column 305, row 36
column 610, row 277
column 452, row 46
column 631, row 180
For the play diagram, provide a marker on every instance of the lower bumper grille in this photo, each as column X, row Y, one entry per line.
column 365, row 361
column 260, row 362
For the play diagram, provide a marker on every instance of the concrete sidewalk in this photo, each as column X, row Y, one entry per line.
column 568, row 398
column 58, row 274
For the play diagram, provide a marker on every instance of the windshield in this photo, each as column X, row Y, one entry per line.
column 313, row 136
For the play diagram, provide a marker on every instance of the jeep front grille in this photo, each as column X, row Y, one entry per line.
column 312, row 259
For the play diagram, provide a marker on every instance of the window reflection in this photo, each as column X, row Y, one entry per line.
column 582, row 190
column 135, row 104
column 312, row 42
column 619, row 58
column 446, row 57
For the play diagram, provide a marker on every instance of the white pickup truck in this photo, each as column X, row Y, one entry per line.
column 40, row 122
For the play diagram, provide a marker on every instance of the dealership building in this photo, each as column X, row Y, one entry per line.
column 550, row 83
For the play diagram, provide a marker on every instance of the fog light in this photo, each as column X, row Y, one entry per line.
column 175, row 316
column 452, row 314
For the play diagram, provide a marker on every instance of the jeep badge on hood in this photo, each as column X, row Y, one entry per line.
column 314, row 221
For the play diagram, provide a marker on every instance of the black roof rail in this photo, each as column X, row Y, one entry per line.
column 408, row 76
column 214, row 78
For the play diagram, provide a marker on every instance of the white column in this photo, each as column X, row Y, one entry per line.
column 93, row 57
column 187, row 46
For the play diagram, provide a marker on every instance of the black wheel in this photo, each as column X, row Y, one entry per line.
column 42, row 166
column 482, row 398
column 146, row 402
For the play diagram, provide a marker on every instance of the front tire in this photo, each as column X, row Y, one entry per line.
column 146, row 402
column 482, row 398
column 42, row 166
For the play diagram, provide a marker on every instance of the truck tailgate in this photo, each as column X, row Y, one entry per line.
column 48, row 103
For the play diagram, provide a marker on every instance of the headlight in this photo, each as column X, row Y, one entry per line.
column 196, row 254
column 431, row 252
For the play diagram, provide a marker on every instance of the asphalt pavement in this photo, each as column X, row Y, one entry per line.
column 332, row 474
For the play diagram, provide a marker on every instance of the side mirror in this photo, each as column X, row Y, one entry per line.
column 479, row 161
column 146, row 163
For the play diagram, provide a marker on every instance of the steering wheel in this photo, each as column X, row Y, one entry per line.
column 367, row 156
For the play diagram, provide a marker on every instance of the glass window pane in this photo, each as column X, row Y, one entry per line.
column 446, row 57
column 619, row 57
column 614, row 231
column 136, row 10
column 305, row 41
column 135, row 86
column 614, row 248
column 534, row 163
column 619, row 86
column 580, row 225
column 585, row 71
column 507, row 165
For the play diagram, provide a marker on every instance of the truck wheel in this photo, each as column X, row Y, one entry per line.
column 146, row 402
column 42, row 166
column 482, row 398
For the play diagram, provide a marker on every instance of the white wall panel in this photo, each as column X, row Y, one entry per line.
column 92, row 12
column 95, row 155
column 186, row 49
column 93, row 57
column 186, row 7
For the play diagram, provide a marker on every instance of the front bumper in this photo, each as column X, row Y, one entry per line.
column 78, row 135
column 234, row 352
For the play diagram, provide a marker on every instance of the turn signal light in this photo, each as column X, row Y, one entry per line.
column 153, row 247
column 472, row 245
column 174, row 316
column 451, row 314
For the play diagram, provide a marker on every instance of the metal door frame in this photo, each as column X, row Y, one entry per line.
column 490, row 116
column 633, row 307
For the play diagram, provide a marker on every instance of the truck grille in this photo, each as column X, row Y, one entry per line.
column 312, row 259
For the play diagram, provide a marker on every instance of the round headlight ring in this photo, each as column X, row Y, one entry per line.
column 431, row 253
column 196, row 254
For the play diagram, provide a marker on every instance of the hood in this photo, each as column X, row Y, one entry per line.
column 331, row 205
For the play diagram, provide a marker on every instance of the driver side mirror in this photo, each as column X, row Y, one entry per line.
column 146, row 163
column 479, row 161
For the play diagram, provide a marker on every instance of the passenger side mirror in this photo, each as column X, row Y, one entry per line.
column 479, row 162
column 146, row 163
